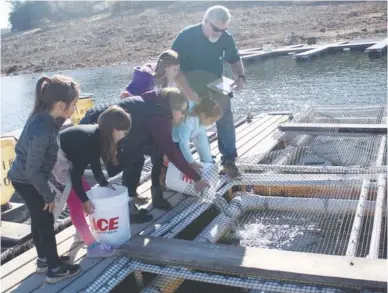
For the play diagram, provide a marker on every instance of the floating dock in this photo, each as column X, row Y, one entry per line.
column 377, row 50
column 303, row 52
column 343, row 206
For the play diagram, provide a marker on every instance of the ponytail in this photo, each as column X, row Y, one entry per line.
column 165, row 59
column 176, row 99
column 209, row 107
column 49, row 91
column 39, row 103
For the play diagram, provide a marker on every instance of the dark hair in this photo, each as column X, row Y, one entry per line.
column 167, row 58
column 176, row 100
column 207, row 106
column 112, row 118
column 50, row 91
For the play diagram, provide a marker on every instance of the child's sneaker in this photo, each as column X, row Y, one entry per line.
column 42, row 266
column 100, row 250
column 77, row 238
column 63, row 272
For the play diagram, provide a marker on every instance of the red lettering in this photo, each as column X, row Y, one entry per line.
column 113, row 223
column 94, row 224
column 103, row 224
column 186, row 179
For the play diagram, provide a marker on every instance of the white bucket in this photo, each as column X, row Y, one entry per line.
column 110, row 220
column 177, row 181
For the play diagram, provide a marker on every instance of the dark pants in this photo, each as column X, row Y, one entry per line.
column 198, row 79
column 132, row 172
column 42, row 224
column 227, row 134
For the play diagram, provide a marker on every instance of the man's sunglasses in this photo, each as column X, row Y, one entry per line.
column 216, row 29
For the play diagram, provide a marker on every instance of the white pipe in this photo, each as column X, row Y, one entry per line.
column 277, row 180
column 381, row 195
column 311, row 169
column 312, row 205
column 376, row 230
column 356, row 227
column 305, row 178
column 331, row 132
column 220, row 224
column 381, row 152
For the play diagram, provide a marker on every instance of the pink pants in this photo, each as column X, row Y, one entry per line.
column 77, row 215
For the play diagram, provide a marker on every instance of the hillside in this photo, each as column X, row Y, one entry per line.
column 139, row 34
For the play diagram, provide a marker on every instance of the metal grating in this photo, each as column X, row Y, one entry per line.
column 321, row 151
column 383, row 239
column 330, row 214
column 293, row 231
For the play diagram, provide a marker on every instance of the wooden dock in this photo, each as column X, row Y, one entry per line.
column 251, row 56
column 267, row 263
column 377, row 50
column 308, row 55
column 303, row 52
column 18, row 274
column 335, row 129
column 317, row 51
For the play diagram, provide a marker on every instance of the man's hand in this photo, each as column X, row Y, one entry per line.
column 238, row 83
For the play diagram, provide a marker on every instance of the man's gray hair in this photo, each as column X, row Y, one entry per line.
column 217, row 13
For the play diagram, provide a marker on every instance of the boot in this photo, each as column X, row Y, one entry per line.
column 231, row 170
column 139, row 216
column 158, row 200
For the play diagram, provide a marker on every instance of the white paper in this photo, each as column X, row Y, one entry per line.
column 225, row 85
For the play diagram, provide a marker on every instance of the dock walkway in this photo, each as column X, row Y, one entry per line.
column 18, row 274
column 378, row 49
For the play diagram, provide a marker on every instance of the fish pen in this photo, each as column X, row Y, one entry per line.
column 309, row 215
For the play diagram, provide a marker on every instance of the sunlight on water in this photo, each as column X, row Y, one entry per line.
column 279, row 84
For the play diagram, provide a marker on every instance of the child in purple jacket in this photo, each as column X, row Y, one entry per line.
column 147, row 77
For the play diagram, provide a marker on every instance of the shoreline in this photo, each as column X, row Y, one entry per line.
column 137, row 36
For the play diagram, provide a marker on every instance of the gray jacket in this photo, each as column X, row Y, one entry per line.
column 36, row 154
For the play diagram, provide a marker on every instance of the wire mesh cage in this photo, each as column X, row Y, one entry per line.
column 322, row 193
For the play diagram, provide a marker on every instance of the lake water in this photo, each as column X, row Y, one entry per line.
column 273, row 85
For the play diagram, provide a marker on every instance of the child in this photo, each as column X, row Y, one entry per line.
column 152, row 116
column 206, row 113
column 142, row 81
column 151, row 135
column 82, row 145
column 146, row 78
column 36, row 154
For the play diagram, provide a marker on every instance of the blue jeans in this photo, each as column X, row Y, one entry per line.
column 227, row 135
